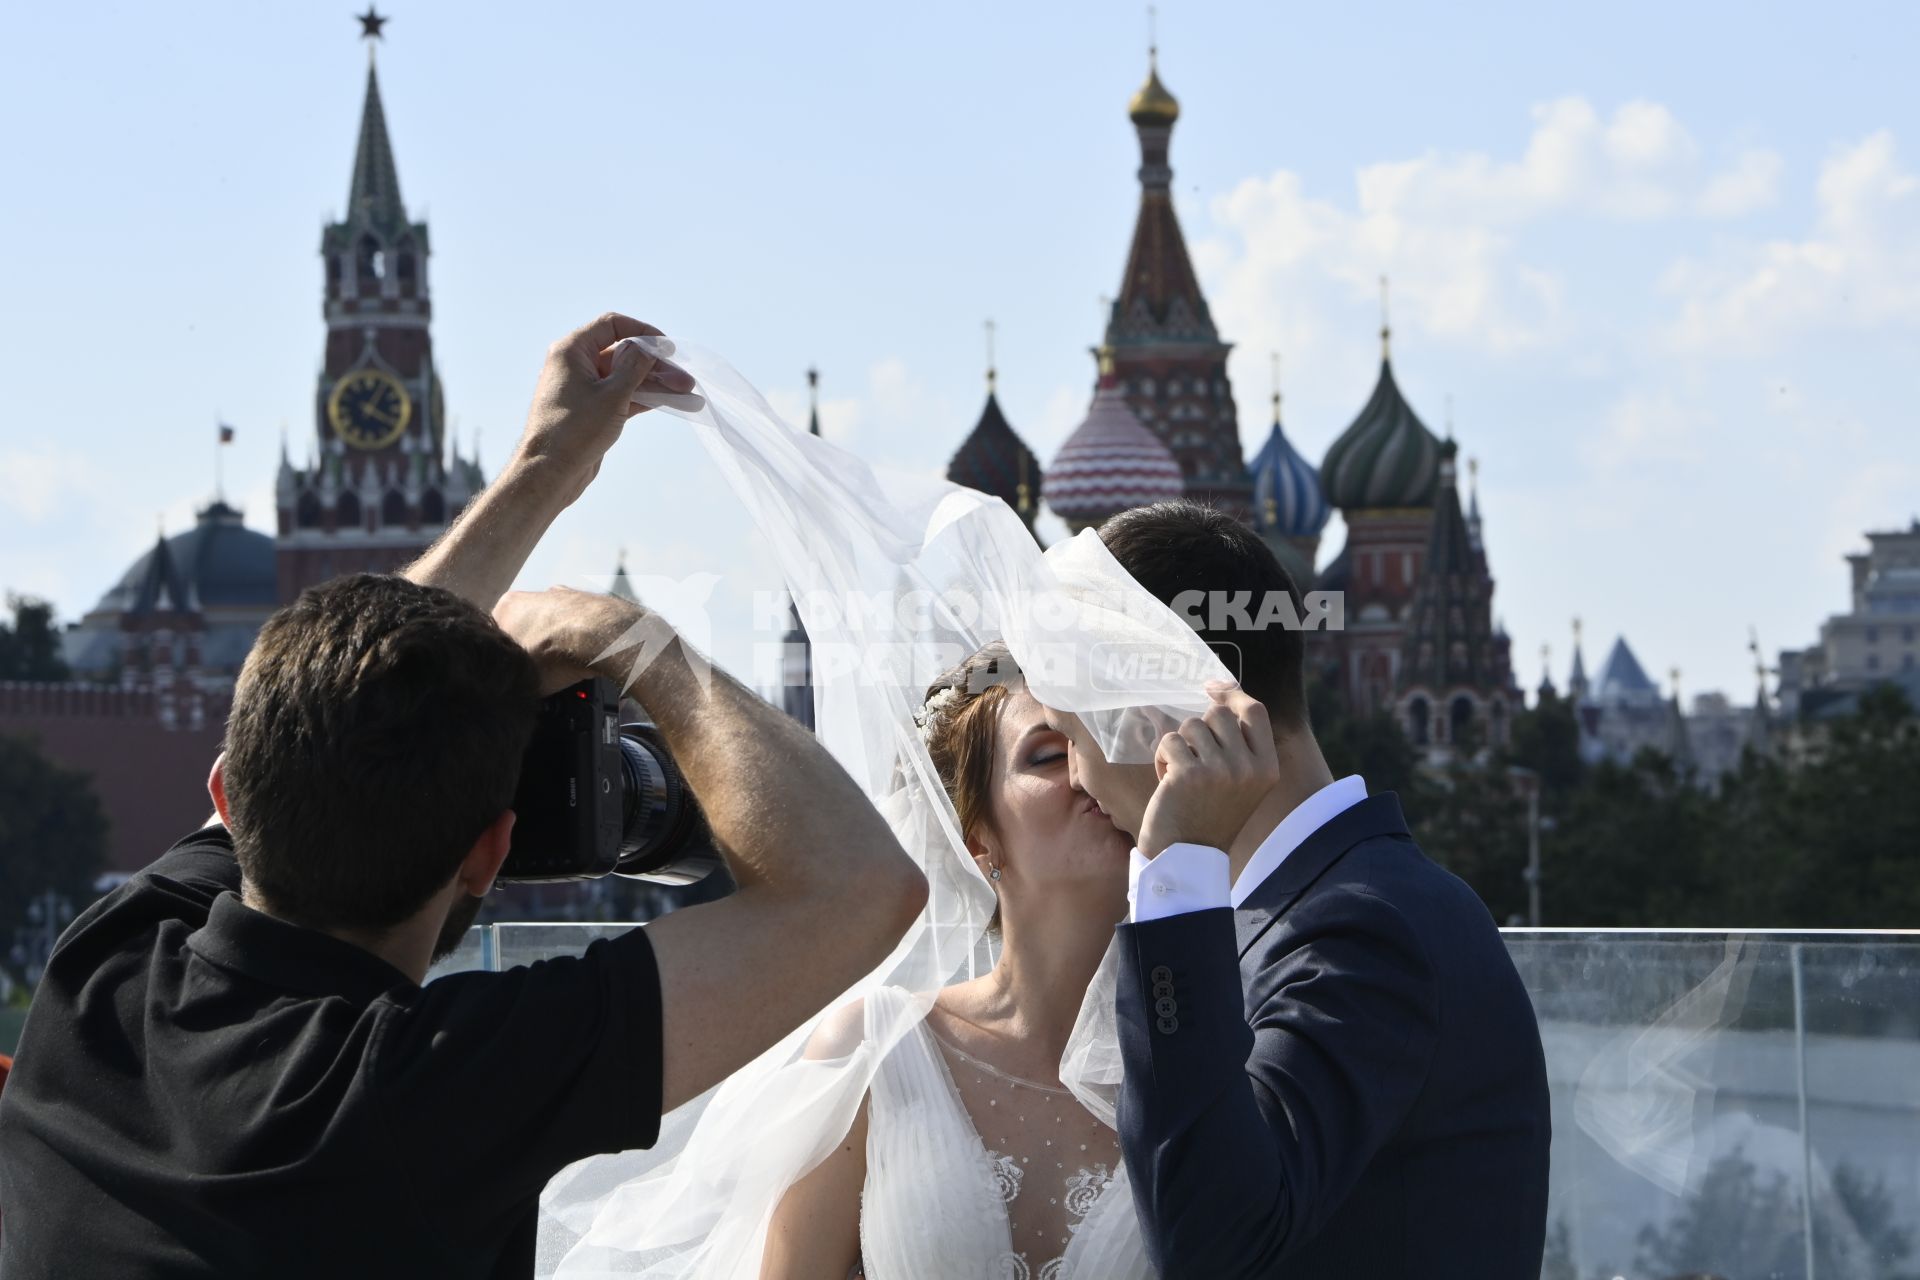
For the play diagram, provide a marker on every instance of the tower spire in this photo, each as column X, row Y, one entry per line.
column 813, row 401
column 1276, row 388
column 375, row 191
column 1386, row 335
column 990, row 369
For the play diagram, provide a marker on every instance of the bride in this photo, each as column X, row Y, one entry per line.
column 969, row 1157
column 924, row 1127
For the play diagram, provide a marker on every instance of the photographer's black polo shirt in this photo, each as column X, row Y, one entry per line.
column 203, row 1090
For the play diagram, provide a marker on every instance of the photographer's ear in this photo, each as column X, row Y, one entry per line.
column 217, row 789
column 482, row 863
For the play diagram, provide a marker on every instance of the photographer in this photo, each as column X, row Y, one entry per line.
column 232, row 1068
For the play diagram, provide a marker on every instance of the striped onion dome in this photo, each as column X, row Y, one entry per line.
column 1286, row 489
column 1110, row 463
column 1387, row 458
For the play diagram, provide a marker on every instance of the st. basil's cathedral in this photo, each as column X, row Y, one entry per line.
column 1419, row 641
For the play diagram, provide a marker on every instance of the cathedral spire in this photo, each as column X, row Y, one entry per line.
column 1577, row 678
column 1160, row 298
column 1473, row 492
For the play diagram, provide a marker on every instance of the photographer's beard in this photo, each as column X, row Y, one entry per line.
column 460, row 918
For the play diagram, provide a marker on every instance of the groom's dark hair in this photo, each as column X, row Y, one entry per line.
column 1182, row 546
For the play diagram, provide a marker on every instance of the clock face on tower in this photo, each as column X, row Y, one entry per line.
column 369, row 408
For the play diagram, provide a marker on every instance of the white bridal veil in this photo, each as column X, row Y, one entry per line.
column 896, row 582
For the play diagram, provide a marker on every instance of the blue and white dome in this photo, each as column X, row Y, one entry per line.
column 1286, row 490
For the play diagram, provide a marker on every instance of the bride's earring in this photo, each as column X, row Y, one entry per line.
column 993, row 874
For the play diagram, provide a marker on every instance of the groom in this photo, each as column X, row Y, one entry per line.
column 1332, row 1071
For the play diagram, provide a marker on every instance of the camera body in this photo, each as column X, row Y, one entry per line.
column 598, row 797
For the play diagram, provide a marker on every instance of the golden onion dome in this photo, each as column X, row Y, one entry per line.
column 1152, row 104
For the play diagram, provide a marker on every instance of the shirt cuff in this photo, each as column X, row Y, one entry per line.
column 1185, row 877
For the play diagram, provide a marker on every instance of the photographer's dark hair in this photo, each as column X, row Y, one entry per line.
column 1171, row 547
column 377, row 729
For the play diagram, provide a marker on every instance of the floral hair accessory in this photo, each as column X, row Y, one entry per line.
column 938, row 705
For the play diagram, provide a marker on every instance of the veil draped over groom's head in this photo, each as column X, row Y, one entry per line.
column 896, row 579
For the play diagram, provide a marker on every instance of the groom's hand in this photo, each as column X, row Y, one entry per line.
column 584, row 398
column 1214, row 771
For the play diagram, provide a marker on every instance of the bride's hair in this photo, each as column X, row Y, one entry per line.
column 959, row 718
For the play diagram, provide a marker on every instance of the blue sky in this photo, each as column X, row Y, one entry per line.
column 1665, row 260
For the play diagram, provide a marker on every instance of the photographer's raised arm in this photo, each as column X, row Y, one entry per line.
column 582, row 401
column 825, row 889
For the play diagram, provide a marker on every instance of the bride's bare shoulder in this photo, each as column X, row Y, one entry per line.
column 841, row 1030
column 839, row 1033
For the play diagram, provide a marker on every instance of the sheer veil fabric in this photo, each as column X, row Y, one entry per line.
column 896, row 578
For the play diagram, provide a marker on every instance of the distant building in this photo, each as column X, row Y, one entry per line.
column 1877, row 640
column 211, row 587
column 1621, row 712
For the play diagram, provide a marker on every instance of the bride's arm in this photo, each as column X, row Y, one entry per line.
column 816, row 1226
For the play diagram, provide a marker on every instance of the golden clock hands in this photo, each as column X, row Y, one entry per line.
column 365, row 404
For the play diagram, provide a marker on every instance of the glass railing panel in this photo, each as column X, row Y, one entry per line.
column 1688, row 1137
column 1724, row 1104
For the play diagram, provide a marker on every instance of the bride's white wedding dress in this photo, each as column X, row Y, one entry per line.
column 975, row 1173
column 953, row 1191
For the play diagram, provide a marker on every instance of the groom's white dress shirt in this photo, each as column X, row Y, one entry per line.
column 1193, row 877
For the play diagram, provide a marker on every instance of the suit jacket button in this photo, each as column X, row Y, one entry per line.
column 1161, row 973
column 1166, row 1007
column 1169, row 1025
column 1163, row 988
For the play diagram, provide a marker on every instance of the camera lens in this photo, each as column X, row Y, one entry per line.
column 663, row 834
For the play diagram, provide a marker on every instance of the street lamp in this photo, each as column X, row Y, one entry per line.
column 1528, row 781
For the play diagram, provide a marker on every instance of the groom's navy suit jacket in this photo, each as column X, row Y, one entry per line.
column 1341, row 1080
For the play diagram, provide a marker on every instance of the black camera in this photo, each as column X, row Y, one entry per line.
column 598, row 797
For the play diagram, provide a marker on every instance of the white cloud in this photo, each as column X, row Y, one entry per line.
column 1646, row 427
column 36, row 483
column 893, row 406
column 1858, row 269
column 1752, row 183
column 839, row 415
column 1444, row 226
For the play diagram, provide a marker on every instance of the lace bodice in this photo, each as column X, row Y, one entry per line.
column 975, row 1173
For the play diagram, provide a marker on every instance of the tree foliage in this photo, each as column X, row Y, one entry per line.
column 53, row 835
column 1745, row 1221
column 1828, row 841
column 30, row 646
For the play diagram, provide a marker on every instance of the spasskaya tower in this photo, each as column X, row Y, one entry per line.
column 382, row 480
